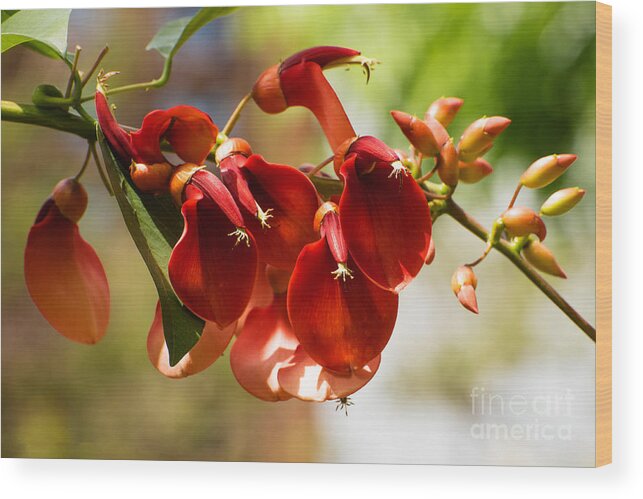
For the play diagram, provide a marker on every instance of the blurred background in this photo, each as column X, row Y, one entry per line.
column 534, row 63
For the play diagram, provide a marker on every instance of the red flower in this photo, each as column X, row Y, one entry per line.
column 340, row 317
column 64, row 276
column 278, row 203
column 299, row 81
column 384, row 214
column 269, row 363
column 208, row 349
column 212, row 267
column 189, row 131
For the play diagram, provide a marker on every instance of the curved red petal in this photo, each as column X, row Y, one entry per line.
column 192, row 134
column 305, row 379
column 292, row 200
column 65, row 277
column 304, row 84
column 262, row 295
column 117, row 138
column 386, row 223
column 236, row 183
column 147, row 140
column 210, row 185
column 208, row 349
column 342, row 324
column 212, row 272
column 322, row 55
column 264, row 345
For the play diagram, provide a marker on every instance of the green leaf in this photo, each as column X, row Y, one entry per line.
column 171, row 37
column 44, row 31
column 155, row 226
column 6, row 14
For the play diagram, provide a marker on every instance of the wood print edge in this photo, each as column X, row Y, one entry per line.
column 603, row 234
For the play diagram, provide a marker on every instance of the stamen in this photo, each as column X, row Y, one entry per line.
column 263, row 216
column 242, row 235
column 342, row 272
column 398, row 169
column 343, row 404
column 367, row 64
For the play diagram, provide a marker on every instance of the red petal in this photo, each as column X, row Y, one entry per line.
column 343, row 325
column 306, row 380
column 386, row 223
column 264, row 345
column 319, row 55
column 210, row 185
column 192, row 135
column 190, row 132
column 262, row 296
column 210, row 273
column 236, row 182
column 293, row 200
column 209, row 348
column 304, row 84
column 117, row 138
column 65, row 278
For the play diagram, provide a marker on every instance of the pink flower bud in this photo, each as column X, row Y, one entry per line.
column 562, row 201
column 521, row 221
column 471, row 173
column 444, row 109
column 447, row 164
column 541, row 257
column 418, row 133
column 478, row 138
column 545, row 170
column 463, row 284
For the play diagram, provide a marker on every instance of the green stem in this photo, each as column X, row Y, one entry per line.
column 156, row 83
column 469, row 223
column 232, row 121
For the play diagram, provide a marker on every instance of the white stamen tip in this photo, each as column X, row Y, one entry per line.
column 342, row 272
column 398, row 169
column 263, row 217
column 242, row 235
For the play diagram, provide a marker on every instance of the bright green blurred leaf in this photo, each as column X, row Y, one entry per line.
column 6, row 14
column 44, row 31
column 171, row 37
column 155, row 226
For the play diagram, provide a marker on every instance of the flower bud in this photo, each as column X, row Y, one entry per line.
column 43, row 94
column 418, row 133
column 541, row 257
column 70, row 198
column 463, row 284
column 267, row 92
column 447, row 164
column 444, row 109
column 562, row 201
column 231, row 147
column 430, row 256
column 521, row 221
column 475, row 171
column 181, row 176
column 545, row 170
column 478, row 138
column 151, row 178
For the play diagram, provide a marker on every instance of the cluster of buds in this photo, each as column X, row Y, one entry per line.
column 429, row 138
column 524, row 227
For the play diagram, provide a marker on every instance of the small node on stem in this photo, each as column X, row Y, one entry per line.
column 342, row 272
column 242, row 235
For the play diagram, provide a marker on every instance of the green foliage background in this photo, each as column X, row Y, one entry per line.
column 531, row 62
